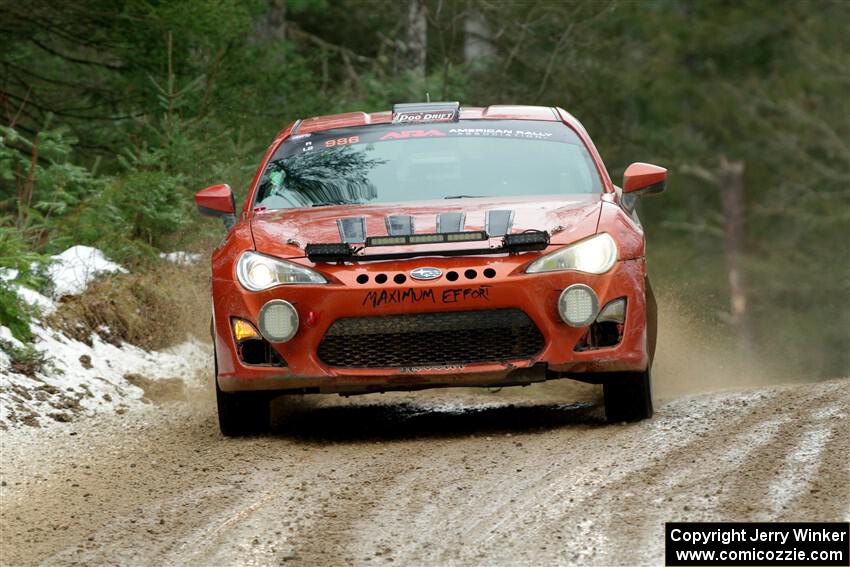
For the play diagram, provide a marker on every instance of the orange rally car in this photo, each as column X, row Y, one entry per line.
column 426, row 247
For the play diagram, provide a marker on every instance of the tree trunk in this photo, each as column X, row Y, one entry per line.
column 272, row 25
column 417, row 37
column 730, row 176
column 477, row 34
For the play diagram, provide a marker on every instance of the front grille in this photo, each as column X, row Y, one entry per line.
column 428, row 339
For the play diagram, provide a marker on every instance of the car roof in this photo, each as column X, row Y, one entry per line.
column 493, row 112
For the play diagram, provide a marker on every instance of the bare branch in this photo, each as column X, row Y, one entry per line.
column 75, row 59
column 316, row 40
column 554, row 55
column 20, row 108
column 700, row 172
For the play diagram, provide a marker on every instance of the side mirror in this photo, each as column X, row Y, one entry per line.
column 217, row 201
column 642, row 179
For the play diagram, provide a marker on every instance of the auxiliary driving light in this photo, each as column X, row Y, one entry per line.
column 526, row 241
column 278, row 321
column 425, row 238
column 578, row 305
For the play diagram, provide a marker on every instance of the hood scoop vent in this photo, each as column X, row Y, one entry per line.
column 399, row 225
column 352, row 229
column 498, row 223
column 450, row 222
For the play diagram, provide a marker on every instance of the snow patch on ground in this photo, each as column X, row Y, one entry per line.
column 8, row 274
column 77, row 379
column 6, row 336
column 73, row 270
column 798, row 471
column 44, row 304
column 82, row 380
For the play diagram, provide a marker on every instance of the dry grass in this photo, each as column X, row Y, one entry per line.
column 153, row 309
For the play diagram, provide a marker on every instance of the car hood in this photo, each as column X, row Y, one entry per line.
column 285, row 233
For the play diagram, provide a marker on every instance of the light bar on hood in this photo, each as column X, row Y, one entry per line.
column 439, row 238
column 512, row 244
column 328, row 252
column 425, row 238
column 526, row 241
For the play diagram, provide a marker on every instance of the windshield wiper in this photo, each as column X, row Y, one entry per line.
column 327, row 204
column 463, row 197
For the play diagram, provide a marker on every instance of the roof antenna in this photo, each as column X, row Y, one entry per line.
column 427, row 96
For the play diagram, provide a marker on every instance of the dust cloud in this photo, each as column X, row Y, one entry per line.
column 695, row 354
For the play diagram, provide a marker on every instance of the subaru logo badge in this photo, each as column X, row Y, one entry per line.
column 426, row 273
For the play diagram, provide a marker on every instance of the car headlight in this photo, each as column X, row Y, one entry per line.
column 596, row 255
column 257, row 272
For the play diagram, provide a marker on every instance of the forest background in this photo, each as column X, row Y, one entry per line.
column 112, row 114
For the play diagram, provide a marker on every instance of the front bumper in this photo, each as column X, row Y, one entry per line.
column 536, row 295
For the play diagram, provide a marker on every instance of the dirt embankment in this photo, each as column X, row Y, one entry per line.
column 436, row 478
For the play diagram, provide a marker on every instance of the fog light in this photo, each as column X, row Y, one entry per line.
column 278, row 321
column 578, row 305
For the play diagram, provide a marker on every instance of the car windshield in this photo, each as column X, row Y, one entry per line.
column 456, row 160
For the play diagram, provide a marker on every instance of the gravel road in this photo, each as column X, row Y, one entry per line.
column 524, row 476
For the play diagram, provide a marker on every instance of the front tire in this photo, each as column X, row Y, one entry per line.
column 628, row 396
column 242, row 413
